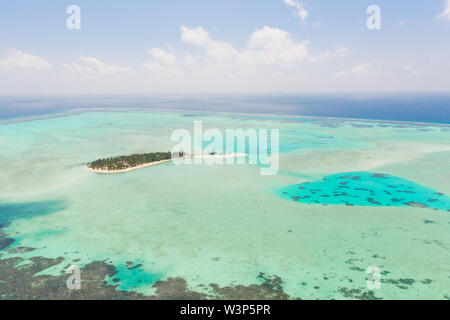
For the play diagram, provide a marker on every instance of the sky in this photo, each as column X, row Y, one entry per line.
column 223, row 46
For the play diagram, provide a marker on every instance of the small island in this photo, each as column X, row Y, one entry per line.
column 130, row 162
column 136, row 161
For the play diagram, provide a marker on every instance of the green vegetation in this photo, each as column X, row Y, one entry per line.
column 134, row 160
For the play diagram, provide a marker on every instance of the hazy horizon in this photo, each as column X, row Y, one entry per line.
column 390, row 107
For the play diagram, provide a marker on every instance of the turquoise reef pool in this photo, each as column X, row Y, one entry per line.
column 366, row 189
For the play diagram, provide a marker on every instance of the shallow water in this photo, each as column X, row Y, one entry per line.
column 226, row 224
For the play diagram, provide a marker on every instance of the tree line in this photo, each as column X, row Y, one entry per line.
column 134, row 160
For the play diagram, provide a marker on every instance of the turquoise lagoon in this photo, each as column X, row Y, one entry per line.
column 226, row 224
column 366, row 189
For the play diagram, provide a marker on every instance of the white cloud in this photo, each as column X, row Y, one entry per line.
column 197, row 36
column 164, row 63
column 446, row 13
column 93, row 66
column 339, row 52
column 363, row 70
column 19, row 60
column 272, row 46
column 266, row 47
column 300, row 10
column 191, row 61
column 368, row 71
column 413, row 71
column 268, row 51
column 217, row 50
column 162, row 56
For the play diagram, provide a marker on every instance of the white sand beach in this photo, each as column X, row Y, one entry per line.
column 128, row 169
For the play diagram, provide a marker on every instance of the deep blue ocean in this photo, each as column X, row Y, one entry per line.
column 395, row 107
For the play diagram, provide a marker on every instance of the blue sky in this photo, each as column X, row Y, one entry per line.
column 208, row 46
